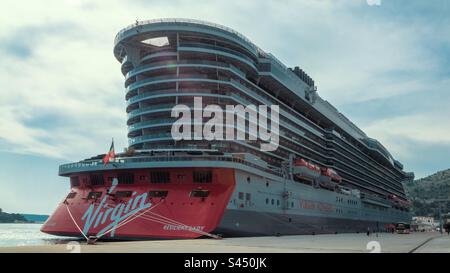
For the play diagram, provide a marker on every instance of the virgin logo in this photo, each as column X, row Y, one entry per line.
column 113, row 214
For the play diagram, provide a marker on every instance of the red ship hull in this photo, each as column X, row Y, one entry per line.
column 179, row 209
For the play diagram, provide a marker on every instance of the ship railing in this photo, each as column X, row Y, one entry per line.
column 172, row 92
column 149, row 108
column 138, row 111
column 151, row 122
column 215, row 47
column 142, row 96
column 366, row 196
column 160, row 79
column 181, row 63
column 190, row 21
column 138, row 159
column 166, row 64
column 134, row 140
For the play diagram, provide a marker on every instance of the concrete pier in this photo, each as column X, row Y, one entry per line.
column 333, row 243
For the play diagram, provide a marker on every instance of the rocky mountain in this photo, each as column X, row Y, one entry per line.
column 426, row 193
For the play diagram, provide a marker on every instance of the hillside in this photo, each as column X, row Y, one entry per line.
column 21, row 218
column 12, row 218
column 35, row 218
column 425, row 192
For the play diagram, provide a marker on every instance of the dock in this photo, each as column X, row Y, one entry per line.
column 333, row 243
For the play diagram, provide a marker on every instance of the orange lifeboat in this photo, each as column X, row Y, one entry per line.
column 329, row 179
column 305, row 169
column 398, row 200
column 332, row 174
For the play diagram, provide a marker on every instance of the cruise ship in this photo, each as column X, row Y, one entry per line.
column 325, row 175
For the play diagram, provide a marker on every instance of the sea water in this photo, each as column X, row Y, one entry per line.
column 27, row 234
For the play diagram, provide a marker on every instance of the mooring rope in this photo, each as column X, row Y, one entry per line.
column 124, row 222
column 167, row 220
column 128, row 220
column 70, row 214
column 155, row 218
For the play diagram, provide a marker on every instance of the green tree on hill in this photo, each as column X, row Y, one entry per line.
column 426, row 192
column 11, row 217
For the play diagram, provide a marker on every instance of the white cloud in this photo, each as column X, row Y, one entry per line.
column 71, row 75
column 430, row 128
column 61, row 90
column 71, row 72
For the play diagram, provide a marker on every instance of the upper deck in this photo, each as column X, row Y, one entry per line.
column 167, row 62
column 168, row 160
column 272, row 72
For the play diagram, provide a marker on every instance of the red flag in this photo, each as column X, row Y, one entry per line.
column 110, row 154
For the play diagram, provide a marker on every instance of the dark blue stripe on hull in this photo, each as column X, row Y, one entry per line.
column 251, row 223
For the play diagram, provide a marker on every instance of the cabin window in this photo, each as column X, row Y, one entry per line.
column 273, row 202
column 123, row 194
column 158, row 194
column 160, row 177
column 267, row 201
column 126, row 178
column 202, row 176
column 248, row 196
column 97, row 179
column 241, row 196
column 181, row 177
column 94, row 195
column 200, row 193
column 71, row 195
column 74, row 181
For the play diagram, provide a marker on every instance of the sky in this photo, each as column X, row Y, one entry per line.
column 386, row 66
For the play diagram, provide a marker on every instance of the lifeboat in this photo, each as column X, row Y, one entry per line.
column 305, row 169
column 332, row 174
column 398, row 200
column 329, row 179
column 328, row 185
